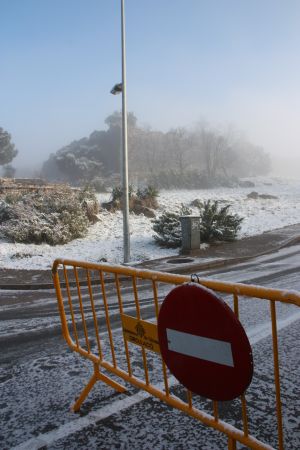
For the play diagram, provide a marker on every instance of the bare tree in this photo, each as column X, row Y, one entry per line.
column 178, row 145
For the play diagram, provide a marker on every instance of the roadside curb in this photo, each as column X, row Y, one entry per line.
column 227, row 262
column 178, row 269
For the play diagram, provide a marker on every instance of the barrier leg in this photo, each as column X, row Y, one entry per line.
column 84, row 393
column 231, row 444
column 97, row 376
column 101, row 377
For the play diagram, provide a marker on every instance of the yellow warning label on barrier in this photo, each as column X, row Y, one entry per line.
column 140, row 332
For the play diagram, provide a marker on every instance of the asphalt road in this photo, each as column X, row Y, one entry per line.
column 39, row 376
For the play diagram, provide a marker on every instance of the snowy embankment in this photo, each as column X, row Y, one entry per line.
column 104, row 239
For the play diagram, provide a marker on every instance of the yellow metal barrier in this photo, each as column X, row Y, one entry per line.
column 97, row 299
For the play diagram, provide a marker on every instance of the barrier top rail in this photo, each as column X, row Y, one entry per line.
column 285, row 296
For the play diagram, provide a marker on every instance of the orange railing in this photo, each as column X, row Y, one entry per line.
column 95, row 300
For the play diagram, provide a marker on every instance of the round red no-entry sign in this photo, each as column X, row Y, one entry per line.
column 203, row 343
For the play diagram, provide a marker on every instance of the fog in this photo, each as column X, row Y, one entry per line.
column 266, row 117
column 272, row 120
column 271, row 125
column 230, row 63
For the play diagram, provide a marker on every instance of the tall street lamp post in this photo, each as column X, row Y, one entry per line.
column 118, row 88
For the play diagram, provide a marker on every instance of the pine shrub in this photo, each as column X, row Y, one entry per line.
column 217, row 224
column 168, row 228
column 117, row 193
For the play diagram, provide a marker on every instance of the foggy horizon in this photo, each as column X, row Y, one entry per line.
column 227, row 63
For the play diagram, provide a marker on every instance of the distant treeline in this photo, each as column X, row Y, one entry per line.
column 201, row 157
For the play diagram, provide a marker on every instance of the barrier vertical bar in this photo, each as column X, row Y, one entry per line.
column 136, row 299
column 82, row 310
column 231, row 443
column 244, row 415
column 64, row 324
column 138, row 312
column 94, row 314
column 112, row 348
column 216, row 410
column 243, row 399
column 155, row 297
column 276, row 374
column 120, row 301
column 70, row 305
column 236, row 305
column 190, row 398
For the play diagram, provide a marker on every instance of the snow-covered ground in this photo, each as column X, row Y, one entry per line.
column 104, row 239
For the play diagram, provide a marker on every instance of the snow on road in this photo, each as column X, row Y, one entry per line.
column 104, row 239
column 44, row 419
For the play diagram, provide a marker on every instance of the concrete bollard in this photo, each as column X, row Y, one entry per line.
column 190, row 232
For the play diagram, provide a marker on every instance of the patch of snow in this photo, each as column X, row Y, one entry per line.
column 105, row 238
column 204, row 246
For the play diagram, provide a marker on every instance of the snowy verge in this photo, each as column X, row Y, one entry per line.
column 104, row 239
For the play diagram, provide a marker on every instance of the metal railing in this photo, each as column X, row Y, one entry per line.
column 95, row 300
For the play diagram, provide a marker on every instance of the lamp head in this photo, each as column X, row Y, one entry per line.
column 117, row 89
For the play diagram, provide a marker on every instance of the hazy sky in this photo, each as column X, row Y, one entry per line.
column 226, row 61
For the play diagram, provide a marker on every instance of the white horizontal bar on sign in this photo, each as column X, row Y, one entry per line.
column 212, row 350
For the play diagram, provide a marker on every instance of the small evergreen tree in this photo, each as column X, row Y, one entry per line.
column 168, row 228
column 217, row 224
column 117, row 193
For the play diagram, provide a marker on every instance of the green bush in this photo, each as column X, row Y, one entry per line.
column 53, row 217
column 168, row 228
column 148, row 196
column 147, row 192
column 117, row 193
column 216, row 224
